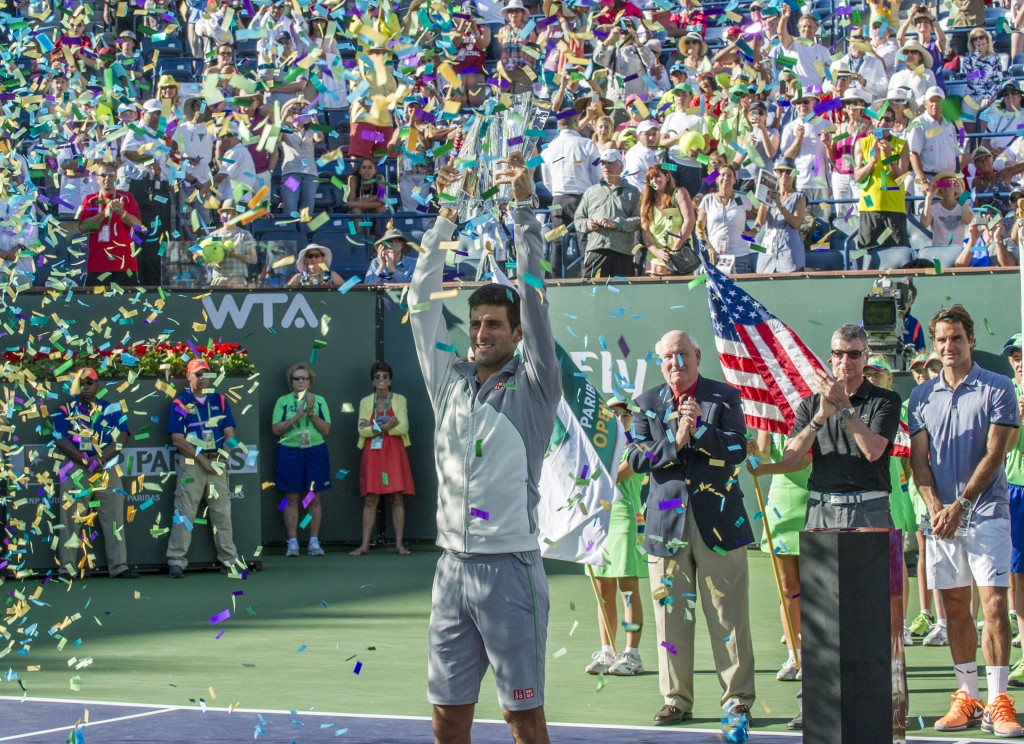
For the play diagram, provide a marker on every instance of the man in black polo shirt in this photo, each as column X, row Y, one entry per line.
column 849, row 426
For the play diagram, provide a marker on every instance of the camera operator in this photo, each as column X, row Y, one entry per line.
column 623, row 54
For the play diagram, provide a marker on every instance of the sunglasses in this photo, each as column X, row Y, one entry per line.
column 314, row 255
column 300, row 378
column 889, row 119
column 852, row 354
column 87, row 381
column 381, row 376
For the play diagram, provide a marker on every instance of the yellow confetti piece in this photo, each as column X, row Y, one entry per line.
column 446, row 294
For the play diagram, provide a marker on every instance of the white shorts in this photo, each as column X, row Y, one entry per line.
column 982, row 554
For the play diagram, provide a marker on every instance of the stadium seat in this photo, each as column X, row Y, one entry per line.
column 946, row 254
column 887, row 258
column 918, row 236
column 326, row 197
column 246, row 48
column 182, row 69
column 824, row 261
column 169, row 47
column 350, row 254
column 292, row 240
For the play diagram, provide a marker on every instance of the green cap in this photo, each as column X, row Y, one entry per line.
column 879, row 362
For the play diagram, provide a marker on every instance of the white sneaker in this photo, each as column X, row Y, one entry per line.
column 293, row 549
column 1016, row 641
column 908, row 637
column 789, row 671
column 602, row 662
column 627, row 665
column 936, row 636
column 314, row 547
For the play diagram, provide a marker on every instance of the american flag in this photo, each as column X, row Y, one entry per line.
column 760, row 355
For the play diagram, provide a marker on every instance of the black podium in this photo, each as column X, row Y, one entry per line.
column 851, row 610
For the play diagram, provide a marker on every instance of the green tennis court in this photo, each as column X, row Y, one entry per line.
column 340, row 635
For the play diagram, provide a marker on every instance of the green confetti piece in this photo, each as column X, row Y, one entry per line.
column 384, row 478
column 450, row 348
column 988, row 327
column 199, row 520
column 697, row 281
column 479, row 447
column 719, row 549
column 489, row 193
column 938, row 265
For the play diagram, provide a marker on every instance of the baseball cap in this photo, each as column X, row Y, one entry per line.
column 83, row 373
column 785, row 164
column 152, row 105
column 879, row 362
column 611, row 156
column 196, row 365
column 920, row 358
column 981, row 152
column 632, row 97
column 646, row 125
column 1012, row 344
column 935, row 92
column 677, row 68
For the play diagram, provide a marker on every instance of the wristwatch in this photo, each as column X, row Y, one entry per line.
column 965, row 504
column 846, row 413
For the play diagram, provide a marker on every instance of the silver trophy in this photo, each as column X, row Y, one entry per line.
column 492, row 136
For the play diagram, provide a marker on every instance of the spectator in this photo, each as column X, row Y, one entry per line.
column 366, row 190
column 883, row 44
column 620, row 51
column 202, row 429
column 676, row 132
column 110, row 217
column 302, row 421
column 471, row 37
column 929, row 35
column 1005, row 115
column 984, row 73
column 19, row 228
column 811, row 57
column 623, row 566
column 608, row 216
column 168, row 92
column 938, row 151
column 964, row 14
column 194, row 140
column 384, row 467
column 882, row 207
column 393, row 263
column 985, row 247
column 603, row 131
column 865, row 64
column 146, row 155
column 917, row 77
column 236, row 171
column 691, row 19
column 783, row 216
column 569, row 167
column 211, row 30
column 760, row 143
column 90, row 435
column 298, row 161
column 643, row 154
column 807, row 142
column 371, row 113
column 722, row 224
column 842, row 153
column 514, row 44
column 254, row 113
column 943, row 212
column 313, row 268
column 666, row 222
column 284, row 83
column 695, row 56
column 240, row 249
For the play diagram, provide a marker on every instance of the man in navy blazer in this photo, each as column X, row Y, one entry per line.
column 689, row 435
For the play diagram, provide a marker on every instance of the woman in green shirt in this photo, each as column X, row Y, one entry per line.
column 301, row 421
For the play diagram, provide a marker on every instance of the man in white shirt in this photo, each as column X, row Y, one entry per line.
column 684, row 118
column 570, row 167
column 643, row 154
column 933, row 142
column 883, row 43
column 236, row 172
column 864, row 64
column 195, row 141
column 812, row 59
column 806, row 139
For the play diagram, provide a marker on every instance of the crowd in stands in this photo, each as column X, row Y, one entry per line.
column 775, row 135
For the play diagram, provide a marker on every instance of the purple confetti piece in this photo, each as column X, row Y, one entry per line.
column 831, row 104
column 669, row 504
column 623, row 346
column 308, row 500
column 513, row 141
column 479, row 513
column 583, row 473
column 669, row 647
column 220, row 617
column 711, row 178
column 219, row 635
column 292, row 183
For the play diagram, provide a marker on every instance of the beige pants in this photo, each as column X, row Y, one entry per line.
column 193, row 483
column 725, row 603
column 75, row 507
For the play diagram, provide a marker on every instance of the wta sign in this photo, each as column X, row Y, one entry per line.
column 278, row 310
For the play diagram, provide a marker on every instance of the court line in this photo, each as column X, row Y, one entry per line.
column 912, row 736
column 83, row 726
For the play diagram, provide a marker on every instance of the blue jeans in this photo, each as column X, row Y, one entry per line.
column 745, row 264
column 303, row 196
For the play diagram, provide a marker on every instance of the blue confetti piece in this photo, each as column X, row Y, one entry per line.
column 359, row 667
column 351, row 282
column 302, row 648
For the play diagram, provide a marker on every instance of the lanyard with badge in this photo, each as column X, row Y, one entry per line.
column 379, row 420
column 209, row 436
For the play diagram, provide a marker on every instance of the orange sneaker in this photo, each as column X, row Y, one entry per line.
column 1001, row 719
column 964, row 713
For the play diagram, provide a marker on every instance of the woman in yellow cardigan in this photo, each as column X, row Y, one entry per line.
column 384, row 470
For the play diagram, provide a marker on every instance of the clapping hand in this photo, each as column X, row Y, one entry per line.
column 832, row 392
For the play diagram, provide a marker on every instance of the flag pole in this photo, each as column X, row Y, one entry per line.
column 788, row 625
column 604, row 610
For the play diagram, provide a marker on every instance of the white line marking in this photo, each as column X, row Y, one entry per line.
column 83, row 726
column 378, row 716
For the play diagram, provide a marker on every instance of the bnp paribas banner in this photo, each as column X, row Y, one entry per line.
column 577, row 482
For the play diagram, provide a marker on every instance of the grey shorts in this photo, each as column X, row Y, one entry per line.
column 488, row 611
column 824, row 515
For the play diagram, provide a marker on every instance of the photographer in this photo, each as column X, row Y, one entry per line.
column 883, row 205
column 929, row 35
column 623, row 54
